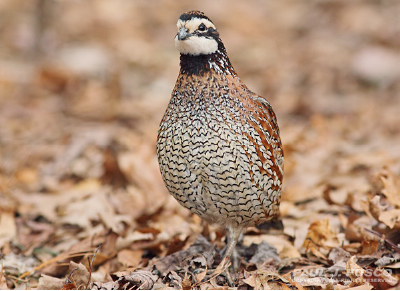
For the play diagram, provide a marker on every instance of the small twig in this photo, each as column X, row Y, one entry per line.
column 53, row 260
column 91, row 265
column 394, row 247
column 68, row 279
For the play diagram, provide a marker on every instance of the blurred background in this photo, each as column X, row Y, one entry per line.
column 84, row 85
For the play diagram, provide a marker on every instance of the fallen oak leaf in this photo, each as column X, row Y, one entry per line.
column 391, row 186
column 259, row 279
column 49, row 283
column 391, row 218
column 130, row 258
column 355, row 272
column 320, row 231
column 139, row 280
column 369, row 247
column 375, row 207
column 320, row 236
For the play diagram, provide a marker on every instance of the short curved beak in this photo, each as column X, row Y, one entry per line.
column 183, row 34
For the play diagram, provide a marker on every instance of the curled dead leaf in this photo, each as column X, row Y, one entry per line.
column 173, row 280
column 79, row 275
column 391, row 218
column 380, row 278
column 369, row 247
column 261, row 279
column 338, row 255
column 130, row 258
column 320, row 236
column 50, row 283
column 391, row 187
column 375, row 207
column 138, row 280
column 354, row 272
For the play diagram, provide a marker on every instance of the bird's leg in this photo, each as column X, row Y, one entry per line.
column 234, row 257
column 233, row 237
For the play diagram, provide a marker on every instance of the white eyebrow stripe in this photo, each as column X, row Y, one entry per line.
column 194, row 23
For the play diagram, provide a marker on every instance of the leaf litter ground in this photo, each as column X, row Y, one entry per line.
column 83, row 87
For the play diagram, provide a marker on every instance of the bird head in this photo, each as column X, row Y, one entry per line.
column 196, row 35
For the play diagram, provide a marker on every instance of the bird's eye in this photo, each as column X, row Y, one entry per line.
column 202, row 27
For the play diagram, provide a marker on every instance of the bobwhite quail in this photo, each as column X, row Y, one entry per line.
column 218, row 146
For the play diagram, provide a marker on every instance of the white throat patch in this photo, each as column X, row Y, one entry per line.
column 196, row 45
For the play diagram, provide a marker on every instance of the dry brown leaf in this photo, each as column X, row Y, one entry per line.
column 8, row 227
column 391, row 187
column 375, row 207
column 394, row 266
column 29, row 177
column 369, row 247
column 334, row 195
column 186, row 282
column 261, row 279
column 356, row 230
column 130, row 201
column 3, row 281
column 391, row 218
column 200, row 276
column 379, row 278
column 111, row 285
column 305, row 280
column 94, row 207
column 289, row 251
column 292, row 278
column 138, row 280
column 141, row 168
column 379, row 212
column 69, row 286
column 360, row 287
column 53, row 205
column 320, row 235
column 173, row 280
column 250, row 279
column 80, row 275
column 225, row 263
column 338, row 254
column 354, row 272
column 281, row 243
column 129, row 258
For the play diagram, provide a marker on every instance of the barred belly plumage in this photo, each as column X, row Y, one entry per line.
column 207, row 162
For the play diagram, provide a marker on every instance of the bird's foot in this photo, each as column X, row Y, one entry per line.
column 222, row 269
